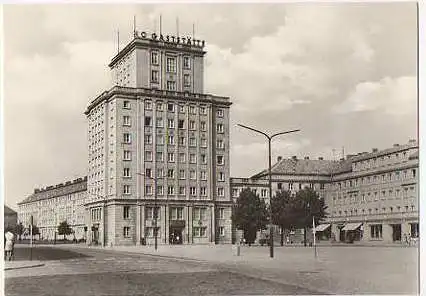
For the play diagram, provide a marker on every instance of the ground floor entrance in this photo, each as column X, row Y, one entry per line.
column 396, row 232
column 175, row 237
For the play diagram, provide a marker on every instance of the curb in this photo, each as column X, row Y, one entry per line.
column 22, row 267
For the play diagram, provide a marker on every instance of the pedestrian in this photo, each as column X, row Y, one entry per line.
column 287, row 240
column 8, row 246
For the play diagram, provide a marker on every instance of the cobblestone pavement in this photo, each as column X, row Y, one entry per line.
column 103, row 272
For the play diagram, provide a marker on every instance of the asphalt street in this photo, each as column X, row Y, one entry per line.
column 100, row 272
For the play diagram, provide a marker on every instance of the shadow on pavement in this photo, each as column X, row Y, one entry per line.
column 22, row 253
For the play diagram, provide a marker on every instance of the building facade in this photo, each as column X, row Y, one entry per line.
column 158, row 146
column 10, row 218
column 370, row 197
column 52, row 205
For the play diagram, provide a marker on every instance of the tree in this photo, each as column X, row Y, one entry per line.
column 287, row 211
column 250, row 214
column 36, row 230
column 313, row 208
column 19, row 230
column 64, row 229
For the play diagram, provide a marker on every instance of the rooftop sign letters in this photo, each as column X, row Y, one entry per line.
column 170, row 39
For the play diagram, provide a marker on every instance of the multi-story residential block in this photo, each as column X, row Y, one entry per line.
column 52, row 205
column 369, row 197
column 158, row 144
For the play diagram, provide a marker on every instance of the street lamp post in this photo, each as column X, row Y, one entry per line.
column 155, row 209
column 269, row 137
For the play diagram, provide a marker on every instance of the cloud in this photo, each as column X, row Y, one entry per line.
column 393, row 96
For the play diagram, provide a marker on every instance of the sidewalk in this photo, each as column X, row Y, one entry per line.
column 10, row 265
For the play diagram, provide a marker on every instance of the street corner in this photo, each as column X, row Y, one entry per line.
column 13, row 265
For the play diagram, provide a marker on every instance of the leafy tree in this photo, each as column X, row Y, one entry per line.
column 250, row 214
column 19, row 230
column 313, row 207
column 64, row 228
column 287, row 211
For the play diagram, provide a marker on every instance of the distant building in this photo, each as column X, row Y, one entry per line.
column 10, row 218
column 156, row 123
column 371, row 197
column 52, row 205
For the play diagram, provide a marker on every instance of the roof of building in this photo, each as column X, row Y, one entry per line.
column 8, row 211
column 394, row 149
column 68, row 187
column 414, row 155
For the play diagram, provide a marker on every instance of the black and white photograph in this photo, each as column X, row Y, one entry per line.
column 211, row 148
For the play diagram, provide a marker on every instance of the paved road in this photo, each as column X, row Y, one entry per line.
column 100, row 272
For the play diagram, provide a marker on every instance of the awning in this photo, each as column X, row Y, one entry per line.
column 322, row 227
column 351, row 226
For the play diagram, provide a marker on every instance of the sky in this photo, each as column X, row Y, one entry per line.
column 342, row 73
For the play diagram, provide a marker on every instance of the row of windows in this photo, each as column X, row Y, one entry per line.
column 220, row 143
column 384, row 210
column 220, row 159
column 170, row 84
column 171, row 190
column 171, row 107
column 370, row 196
column 176, row 213
column 368, row 163
column 383, row 178
column 96, row 214
column 171, row 174
column 197, row 231
column 170, row 61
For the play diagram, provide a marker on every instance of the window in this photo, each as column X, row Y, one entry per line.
column 126, row 104
column 160, row 173
column 148, row 139
column 148, row 155
column 192, row 158
column 413, row 173
column 160, row 190
column 126, row 172
column 263, row 193
column 159, row 106
column 159, row 122
column 181, row 123
column 170, row 190
column 154, row 57
column 186, row 62
column 235, row 192
column 199, row 213
column 182, row 141
column 181, row 190
column 219, row 113
column 203, row 110
column 171, row 157
column 199, row 231
column 221, row 213
column 220, row 144
column 148, row 190
column 192, row 125
column 126, row 231
column 221, row 176
column 203, row 143
column 159, row 156
column 203, row 191
column 203, row 159
column 182, row 174
column 220, row 191
column 127, row 138
column 171, row 140
column 160, row 140
column 170, row 173
column 126, row 120
column 192, row 191
column 126, row 212
column 192, row 142
column 148, row 105
column 127, row 155
column 219, row 128
column 176, row 213
column 126, row 189
column 203, row 175
column 220, row 159
column 192, row 175
column 147, row 121
column 181, row 157
column 192, row 109
column 171, row 64
column 154, row 76
column 171, row 85
column 203, row 126
column 171, row 107
column 181, row 108
column 186, row 80
column 376, row 231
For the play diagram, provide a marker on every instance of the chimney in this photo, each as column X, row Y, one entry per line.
column 279, row 158
column 320, row 158
column 374, row 150
column 294, row 157
column 395, row 145
column 306, row 157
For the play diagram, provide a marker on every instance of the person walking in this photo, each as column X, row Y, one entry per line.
column 8, row 245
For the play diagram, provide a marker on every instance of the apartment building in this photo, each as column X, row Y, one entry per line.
column 52, row 205
column 158, row 149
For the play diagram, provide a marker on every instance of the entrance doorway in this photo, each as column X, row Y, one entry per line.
column 341, row 233
column 175, row 237
column 396, row 232
column 95, row 235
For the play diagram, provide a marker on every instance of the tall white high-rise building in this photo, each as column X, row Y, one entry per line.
column 155, row 125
